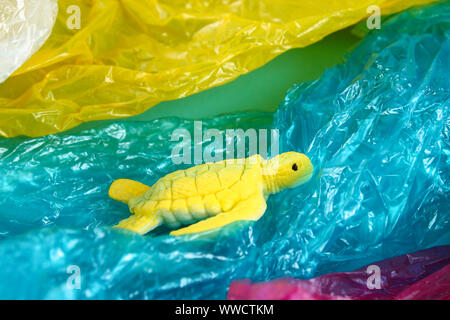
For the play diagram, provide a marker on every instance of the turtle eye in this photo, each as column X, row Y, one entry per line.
column 294, row 167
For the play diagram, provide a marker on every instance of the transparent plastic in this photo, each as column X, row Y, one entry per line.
column 24, row 27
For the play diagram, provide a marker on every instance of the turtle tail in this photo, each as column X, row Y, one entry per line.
column 124, row 190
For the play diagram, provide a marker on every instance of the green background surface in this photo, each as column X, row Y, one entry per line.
column 262, row 89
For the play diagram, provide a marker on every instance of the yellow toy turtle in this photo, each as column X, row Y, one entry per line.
column 211, row 195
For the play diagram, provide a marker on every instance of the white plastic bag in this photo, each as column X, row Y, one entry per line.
column 24, row 27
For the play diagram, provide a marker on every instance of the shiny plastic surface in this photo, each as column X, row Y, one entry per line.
column 56, row 213
column 413, row 276
column 24, row 27
column 112, row 59
column 376, row 129
column 433, row 287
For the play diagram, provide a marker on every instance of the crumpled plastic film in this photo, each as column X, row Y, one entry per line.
column 376, row 129
column 404, row 277
column 24, row 27
column 433, row 287
column 56, row 213
column 129, row 55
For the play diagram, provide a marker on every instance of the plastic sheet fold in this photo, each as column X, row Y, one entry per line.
column 433, row 287
column 376, row 129
column 110, row 59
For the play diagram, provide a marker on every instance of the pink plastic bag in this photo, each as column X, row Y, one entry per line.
column 421, row 275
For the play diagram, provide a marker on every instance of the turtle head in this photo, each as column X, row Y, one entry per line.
column 287, row 170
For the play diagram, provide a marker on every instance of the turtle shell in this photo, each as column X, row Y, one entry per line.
column 186, row 196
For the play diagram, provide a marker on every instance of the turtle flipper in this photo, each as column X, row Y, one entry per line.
column 250, row 209
column 123, row 190
column 140, row 224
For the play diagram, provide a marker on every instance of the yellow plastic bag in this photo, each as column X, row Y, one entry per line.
column 129, row 55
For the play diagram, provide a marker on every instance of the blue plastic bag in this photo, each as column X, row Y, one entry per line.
column 377, row 130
